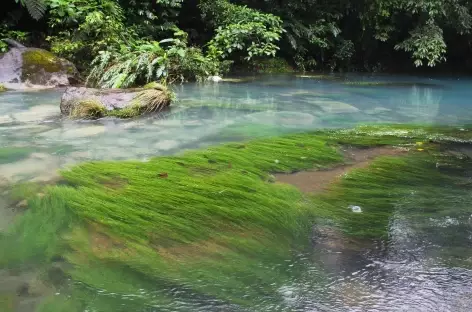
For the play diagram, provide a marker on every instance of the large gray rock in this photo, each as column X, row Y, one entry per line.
column 124, row 103
column 22, row 68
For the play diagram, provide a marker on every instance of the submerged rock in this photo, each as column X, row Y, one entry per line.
column 24, row 68
column 335, row 107
column 95, row 103
column 283, row 118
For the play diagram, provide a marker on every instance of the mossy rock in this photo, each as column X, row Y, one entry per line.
column 37, row 67
column 91, row 103
column 44, row 68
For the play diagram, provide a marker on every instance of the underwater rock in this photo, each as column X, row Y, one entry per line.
column 96, row 103
column 335, row 107
column 166, row 145
column 26, row 68
column 36, row 113
column 328, row 237
column 283, row 118
column 74, row 133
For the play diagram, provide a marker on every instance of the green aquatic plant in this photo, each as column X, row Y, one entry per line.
column 11, row 154
column 212, row 222
column 88, row 109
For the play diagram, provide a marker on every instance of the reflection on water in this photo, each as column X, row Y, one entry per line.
column 411, row 271
column 203, row 112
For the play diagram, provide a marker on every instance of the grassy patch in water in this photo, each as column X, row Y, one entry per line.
column 209, row 223
column 11, row 154
column 379, row 189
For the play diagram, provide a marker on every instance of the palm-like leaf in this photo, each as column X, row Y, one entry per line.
column 36, row 8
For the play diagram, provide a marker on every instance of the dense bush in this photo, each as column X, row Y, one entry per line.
column 309, row 34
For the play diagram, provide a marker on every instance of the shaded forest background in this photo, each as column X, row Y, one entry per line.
column 119, row 43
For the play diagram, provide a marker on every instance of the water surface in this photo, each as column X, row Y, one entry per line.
column 416, row 269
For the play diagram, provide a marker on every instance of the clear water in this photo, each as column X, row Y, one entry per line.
column 407, row 273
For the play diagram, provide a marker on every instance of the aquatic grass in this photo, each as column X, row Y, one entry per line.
column 211, row 222
column 34, row 238
column 381, row 187
column 88, row 108
column 376, row 135
column 11, row 154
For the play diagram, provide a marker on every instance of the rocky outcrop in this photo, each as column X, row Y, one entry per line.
column 123, row 103
column 22, row 67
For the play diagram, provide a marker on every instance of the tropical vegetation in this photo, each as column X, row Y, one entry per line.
column 134, row 42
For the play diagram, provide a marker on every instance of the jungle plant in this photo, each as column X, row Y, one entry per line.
column 239, row 28
column 140, row 62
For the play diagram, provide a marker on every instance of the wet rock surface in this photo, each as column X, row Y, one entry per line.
column 26, row 68
column 93, row 103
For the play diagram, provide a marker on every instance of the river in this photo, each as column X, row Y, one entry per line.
column 423, row 265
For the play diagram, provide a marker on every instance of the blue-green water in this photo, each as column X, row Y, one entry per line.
column 406, row 273
column 204, row 112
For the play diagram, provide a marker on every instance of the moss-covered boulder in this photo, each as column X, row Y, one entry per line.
column 123, row 103
column 22, row 66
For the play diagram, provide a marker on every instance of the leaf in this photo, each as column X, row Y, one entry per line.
column 36, row 8
column 167, row 40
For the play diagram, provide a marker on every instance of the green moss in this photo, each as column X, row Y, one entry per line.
column 155, row 85
column 89, row 109
column 147, row 101
column 41, row 59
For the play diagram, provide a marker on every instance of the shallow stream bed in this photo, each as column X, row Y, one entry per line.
column 204, row 232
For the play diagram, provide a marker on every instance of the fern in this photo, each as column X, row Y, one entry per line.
column 36, row 8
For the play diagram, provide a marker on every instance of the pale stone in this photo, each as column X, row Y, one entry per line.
column 37, row 113
column 335, row 107
column 166, row 145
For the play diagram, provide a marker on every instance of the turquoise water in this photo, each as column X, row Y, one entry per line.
column 204, row 113
column 409, row 272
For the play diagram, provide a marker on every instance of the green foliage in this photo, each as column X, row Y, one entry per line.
column 2, row 88
column 269, row 66
column 426, row 44
column 36, row 8
column 239, row 28
column 84, row 27
column 141, row 62
column 310, row 34
column 7, row 33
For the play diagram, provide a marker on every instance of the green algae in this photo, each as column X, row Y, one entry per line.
column 212, row 222
column 89, row 109
column 42, row 59
column 11, row 154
